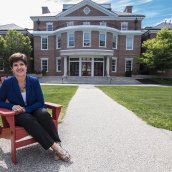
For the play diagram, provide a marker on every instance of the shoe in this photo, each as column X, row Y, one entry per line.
column 64, row 157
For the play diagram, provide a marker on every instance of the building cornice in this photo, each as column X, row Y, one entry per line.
column 86, row 18
column 87, row 28
column 86, row 52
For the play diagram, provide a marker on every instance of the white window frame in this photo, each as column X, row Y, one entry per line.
column 114, row 35
column 128, row 59
column 42, row 59
column 103, row 23
column 44, row 37
column 57, row 64
column 47, row 26
column 128, row 38
column 2, row 63
column 124, row 25
column 68, row 36
column 70, row 23
column 114, row 58
column 99, row 38
column 86, row 39
column 58, row 41
column 86, row 23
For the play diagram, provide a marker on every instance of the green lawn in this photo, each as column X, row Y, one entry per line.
column 152, row 104
column 58, row 94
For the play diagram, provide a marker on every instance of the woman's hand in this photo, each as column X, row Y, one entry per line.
column 18, row 109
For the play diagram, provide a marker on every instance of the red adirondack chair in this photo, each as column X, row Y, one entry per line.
column 17, row 132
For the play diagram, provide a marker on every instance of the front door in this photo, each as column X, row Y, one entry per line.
column 86, row 68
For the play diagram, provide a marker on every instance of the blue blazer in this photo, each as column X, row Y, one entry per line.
column 10, row 91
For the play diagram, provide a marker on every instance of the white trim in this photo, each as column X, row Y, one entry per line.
column 43, row 58
column 88, row 27
column 132, row 37
column 86, row 18
column 85, row 52
column 89, row 3
column 41, row 42
column 58, row 58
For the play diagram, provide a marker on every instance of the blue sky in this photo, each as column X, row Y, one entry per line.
column 19, row 11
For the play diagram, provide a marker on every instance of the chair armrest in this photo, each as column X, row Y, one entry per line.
column 56, row 109
column 8, row 115
column 4, row 112
column 52, row 105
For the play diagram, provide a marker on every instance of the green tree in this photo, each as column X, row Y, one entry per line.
column 2, row 49
column 16, row 42
column 157, row 53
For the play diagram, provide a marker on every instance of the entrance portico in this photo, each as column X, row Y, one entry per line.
column 86, row 62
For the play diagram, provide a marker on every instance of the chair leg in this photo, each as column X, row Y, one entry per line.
column 13, row 151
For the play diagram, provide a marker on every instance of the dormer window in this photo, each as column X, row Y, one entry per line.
column 86, row 23
column 49, row 26
column 71, row 23
column 124, row 26
column 102, row 23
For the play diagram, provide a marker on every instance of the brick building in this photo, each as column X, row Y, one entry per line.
column 87, row 39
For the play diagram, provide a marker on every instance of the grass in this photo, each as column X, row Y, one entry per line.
column 152, row 104
column 58, row 94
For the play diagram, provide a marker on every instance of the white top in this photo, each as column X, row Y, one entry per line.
column 24, row 97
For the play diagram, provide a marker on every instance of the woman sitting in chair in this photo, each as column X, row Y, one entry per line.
column 26, row 99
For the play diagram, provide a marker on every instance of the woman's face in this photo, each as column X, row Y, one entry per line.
column 19, row 68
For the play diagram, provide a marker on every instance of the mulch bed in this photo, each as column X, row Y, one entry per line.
column 147, row 81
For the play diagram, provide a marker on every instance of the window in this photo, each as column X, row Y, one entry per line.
column 124, row 26
column 58, row 41
column 114, row 64
column 87, row 39
column 102, row 39
column 49, row 26
column 71, row 40
column 129, row 42
column 58, row 64
column 44, row 64
column 44, row 43
column 128, row 64
column 1, row 64
column 102, row 23
column 114, row 43
column 70, row 23
column 86, row 23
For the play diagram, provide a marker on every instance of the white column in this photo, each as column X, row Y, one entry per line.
column 80, row 67
column 92, row 67
column 65, row 66
column 107, row 66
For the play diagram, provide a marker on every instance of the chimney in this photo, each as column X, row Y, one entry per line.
column 45, row 10
column 128, row 9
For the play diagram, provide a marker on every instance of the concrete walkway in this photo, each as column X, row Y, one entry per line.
column 102, row 136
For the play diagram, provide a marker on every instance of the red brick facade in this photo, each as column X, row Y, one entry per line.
column 92, row 60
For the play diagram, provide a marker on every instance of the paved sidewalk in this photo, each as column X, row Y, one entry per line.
column 102, row 136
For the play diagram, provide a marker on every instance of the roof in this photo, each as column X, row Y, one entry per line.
column 163, row 25
column 10, row 27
